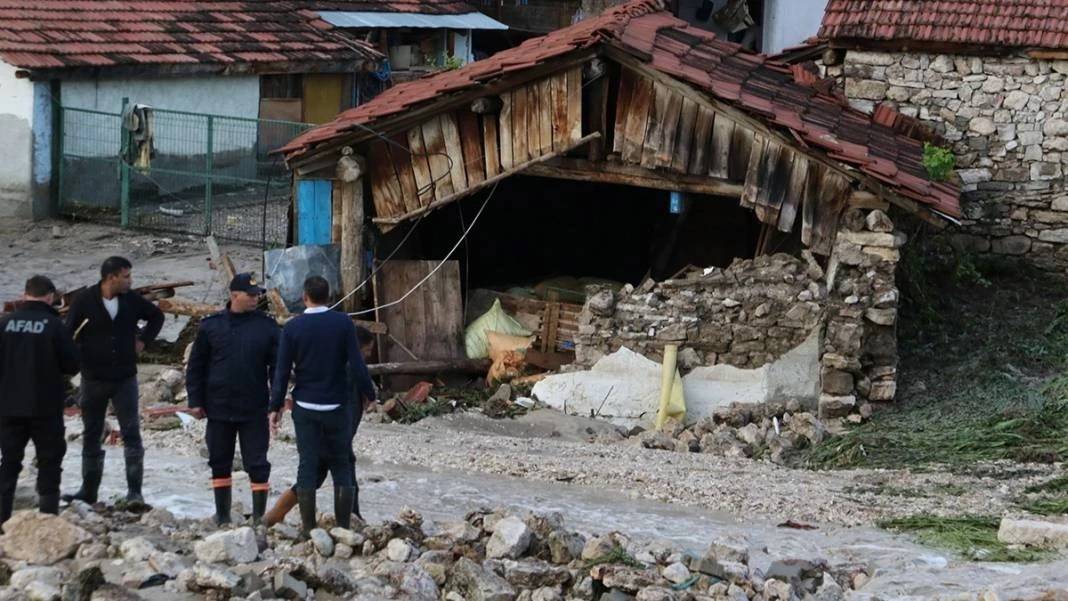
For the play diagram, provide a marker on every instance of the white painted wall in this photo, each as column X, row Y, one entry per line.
column 790, row 22
column 175, row 134
column 16, row 159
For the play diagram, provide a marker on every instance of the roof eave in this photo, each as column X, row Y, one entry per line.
column 193, row 69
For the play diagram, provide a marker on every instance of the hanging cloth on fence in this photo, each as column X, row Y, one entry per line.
column 137, row 119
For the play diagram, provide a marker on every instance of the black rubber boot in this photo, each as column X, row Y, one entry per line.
column 343, row 496
column 7, row 505
column 356, row 504
column 92, row 472
column 259, row 506
column 306, row 502
column 48, row 503
column 135, row 475
column 223, row 496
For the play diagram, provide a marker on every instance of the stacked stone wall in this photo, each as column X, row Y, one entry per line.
column 746, row 315
column 1006, row 119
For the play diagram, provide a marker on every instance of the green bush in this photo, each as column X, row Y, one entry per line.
column 938, row 161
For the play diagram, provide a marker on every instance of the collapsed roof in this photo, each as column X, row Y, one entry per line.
column 643, row 35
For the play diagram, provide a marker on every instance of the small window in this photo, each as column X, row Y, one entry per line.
column 286, row 85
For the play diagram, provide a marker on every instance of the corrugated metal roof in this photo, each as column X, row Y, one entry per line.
column 386, row 20
column 766, row 89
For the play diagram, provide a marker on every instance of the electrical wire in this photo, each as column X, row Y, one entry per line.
column 440, row 263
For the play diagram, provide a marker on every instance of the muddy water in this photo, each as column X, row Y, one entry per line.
column 902, row 569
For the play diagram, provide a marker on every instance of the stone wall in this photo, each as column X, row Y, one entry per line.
column 1006, row 119
column 757, row 310
column 859, row 360
column 745, row 315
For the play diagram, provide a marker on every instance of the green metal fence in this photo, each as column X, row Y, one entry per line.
column 198, row 174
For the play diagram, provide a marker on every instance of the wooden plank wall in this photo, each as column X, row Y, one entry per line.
column 430, row 322
column 454, row 151
column 657, row 127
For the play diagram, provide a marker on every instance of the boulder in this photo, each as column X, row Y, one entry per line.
column 565, row 546
column 113, row 592
column 348, row 537
column 229, row 546
column 288, row 587
column 137, row 549
column 324, row 545
column 41, row 591
column 40, row 538
column 510, row 539
column 676, row 573
column 208, row 576
column 399, row 550
column 168, row 564
column 418, row 584
column 48, row 575
column 534, row 573
column 81, row 587
column 1034, row 533
column 476, row 583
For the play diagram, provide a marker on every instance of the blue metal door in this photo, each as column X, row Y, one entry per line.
column 314, row 211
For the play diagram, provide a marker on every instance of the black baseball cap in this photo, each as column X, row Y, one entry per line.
column 245, row 282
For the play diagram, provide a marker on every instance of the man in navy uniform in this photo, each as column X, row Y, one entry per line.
column 230, row 367
column 36, row 355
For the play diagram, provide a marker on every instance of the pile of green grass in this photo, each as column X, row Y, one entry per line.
column 989, row 341
column 971, row 537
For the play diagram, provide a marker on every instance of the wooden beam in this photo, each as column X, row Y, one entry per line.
column 352, row 216
column 190, row 308
column 486, row 183
column 223, row 265
column 477, row 366
column 633, row 175
column 863, row 199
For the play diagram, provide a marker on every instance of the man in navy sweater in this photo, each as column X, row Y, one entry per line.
column 322, row 346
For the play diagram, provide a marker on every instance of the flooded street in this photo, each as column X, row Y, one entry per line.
column 177, row 480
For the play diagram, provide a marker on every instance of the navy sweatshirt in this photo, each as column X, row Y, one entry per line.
column 324, row 349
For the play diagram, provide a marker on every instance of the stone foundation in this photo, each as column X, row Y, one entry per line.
column 1006, row 120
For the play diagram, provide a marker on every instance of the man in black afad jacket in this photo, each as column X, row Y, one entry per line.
column 230, row 366
column 104, row 320
column 36, row 356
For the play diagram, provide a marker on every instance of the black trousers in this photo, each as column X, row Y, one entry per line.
column 47, row 434
column 254, row 436
column 319, row 433
column 324, row 467
column 95, row 396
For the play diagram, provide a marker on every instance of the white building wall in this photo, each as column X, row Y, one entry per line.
column 237, row 96
column 789, row 22
column 16, row 159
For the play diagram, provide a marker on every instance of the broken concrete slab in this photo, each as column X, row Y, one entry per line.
column 40, row 538
column 1049, row 533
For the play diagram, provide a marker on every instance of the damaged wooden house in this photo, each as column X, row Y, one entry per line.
column 626, row 183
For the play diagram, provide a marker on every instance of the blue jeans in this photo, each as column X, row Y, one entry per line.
column 95, row 396
column 321, row 432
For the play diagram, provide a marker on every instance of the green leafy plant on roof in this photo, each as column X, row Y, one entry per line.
column 939, row 161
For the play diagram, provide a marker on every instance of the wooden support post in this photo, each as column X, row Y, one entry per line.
column 351, row 241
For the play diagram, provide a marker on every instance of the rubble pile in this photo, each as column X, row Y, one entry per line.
column 746, row 315
column 97, row 553
column 766, row 431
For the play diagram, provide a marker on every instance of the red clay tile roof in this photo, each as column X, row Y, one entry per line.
column 753, row 83
column 1005, row 23
column 424, row 7
column 64, row 34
